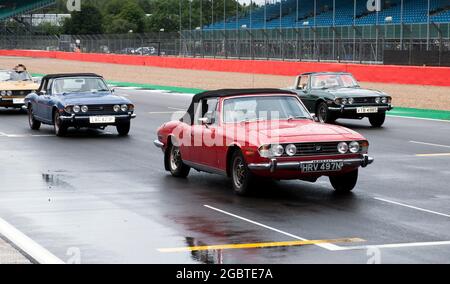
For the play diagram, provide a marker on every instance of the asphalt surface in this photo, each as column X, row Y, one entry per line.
column 109, row 200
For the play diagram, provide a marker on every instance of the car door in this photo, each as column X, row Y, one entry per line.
column 205, row 149
column 46, row 104
column 39, row 106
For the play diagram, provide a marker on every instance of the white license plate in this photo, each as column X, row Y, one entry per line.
column 102, row 119
column 322, row 166
column 367, row 110
column 18, row 101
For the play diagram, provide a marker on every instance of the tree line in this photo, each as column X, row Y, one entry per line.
column 140, row 16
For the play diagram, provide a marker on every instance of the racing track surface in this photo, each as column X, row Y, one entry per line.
column 110, row 199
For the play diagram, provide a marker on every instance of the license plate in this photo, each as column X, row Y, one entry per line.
column 322, row 166
column 102, row 119
column 18, row 101
column 367, row 110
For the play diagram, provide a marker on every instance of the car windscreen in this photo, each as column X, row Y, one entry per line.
column 333, row 81
column 78, row 85
column 6, row 76
column 255, row 108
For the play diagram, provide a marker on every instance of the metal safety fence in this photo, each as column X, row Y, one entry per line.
column 362, row 44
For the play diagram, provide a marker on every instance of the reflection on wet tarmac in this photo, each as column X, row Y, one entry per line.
column 204, row 256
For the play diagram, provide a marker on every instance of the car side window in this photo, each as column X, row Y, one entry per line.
column 303, row 82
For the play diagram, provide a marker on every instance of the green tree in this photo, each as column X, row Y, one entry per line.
column 120, row 26
column 134, row 14
column 88, row 21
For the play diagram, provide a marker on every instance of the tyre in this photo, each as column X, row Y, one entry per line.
column 377, row 120
column 323, row 113
column 124, row 128
column 59, row 126
column 344, row 183
column 176, row 166
column 241, row 175
column 34, row 124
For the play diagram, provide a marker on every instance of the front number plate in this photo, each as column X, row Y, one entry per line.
column 367, row 110
column 18, row 101
column 322, row 166
column 102, row 119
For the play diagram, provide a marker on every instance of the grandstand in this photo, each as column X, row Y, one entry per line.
column 325, row 13
column 13, row 8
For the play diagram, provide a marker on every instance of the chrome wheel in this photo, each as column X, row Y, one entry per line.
column 323, row 113
column 175, row 158
column 239, row 172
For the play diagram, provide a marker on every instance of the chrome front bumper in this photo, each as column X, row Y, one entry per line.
column 354, row 108
column 74, row 118
column 274, row 164
column 158, row 144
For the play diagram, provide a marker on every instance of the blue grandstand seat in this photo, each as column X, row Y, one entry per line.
column 414, row 11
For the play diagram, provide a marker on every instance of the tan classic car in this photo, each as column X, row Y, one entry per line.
column 15, row 85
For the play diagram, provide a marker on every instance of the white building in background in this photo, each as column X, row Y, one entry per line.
column 54, row 19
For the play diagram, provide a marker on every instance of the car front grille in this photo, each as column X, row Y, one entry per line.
column 100, row 108
column 364, row 100
column 322, row 148
column 21, row 93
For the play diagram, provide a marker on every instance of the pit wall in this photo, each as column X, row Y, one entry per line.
column 411, row 75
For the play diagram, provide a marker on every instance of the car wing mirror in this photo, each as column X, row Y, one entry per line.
column 207, row 120
column 315, row 118
column 42, row 93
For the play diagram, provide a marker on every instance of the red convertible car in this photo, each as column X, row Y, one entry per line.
column 260, row 133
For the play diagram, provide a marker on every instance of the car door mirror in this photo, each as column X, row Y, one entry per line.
column 113, row 90
column 207, row 120
column 42, row 93
column 315, row 118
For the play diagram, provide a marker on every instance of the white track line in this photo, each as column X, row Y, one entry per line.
column 331, row 247
column 413, row 207
column 419, row 118
column 430, row 144
column 27, row 245
column 399, row 245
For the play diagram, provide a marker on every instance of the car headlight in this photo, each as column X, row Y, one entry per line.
column 9, row 93
column 351, row 101
column 277, row 150
column 354, row 147
column 342, row 147
column 116, row 108
column 84, row 108
column 384, row 100
column 3, row 93
column 378, row 100
column 124, row 108
column 291, row 150
column 76, row 109
column 344, row 101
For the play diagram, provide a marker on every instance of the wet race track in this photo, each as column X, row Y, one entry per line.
column 109, row 199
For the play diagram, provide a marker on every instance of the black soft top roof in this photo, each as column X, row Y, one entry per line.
column 236, row 92
column 228, row 93
column 66, row 75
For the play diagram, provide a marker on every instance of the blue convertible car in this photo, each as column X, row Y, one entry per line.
column 78, row 100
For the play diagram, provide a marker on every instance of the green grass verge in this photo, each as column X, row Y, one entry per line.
column 397, row 111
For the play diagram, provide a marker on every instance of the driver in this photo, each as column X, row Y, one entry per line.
column 20, row 73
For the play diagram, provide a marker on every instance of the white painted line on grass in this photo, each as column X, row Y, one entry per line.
column 27, row 245
column 412, row 207
column 331, row 247
column 419, row 118
column 430, row 144
column 399, row 245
